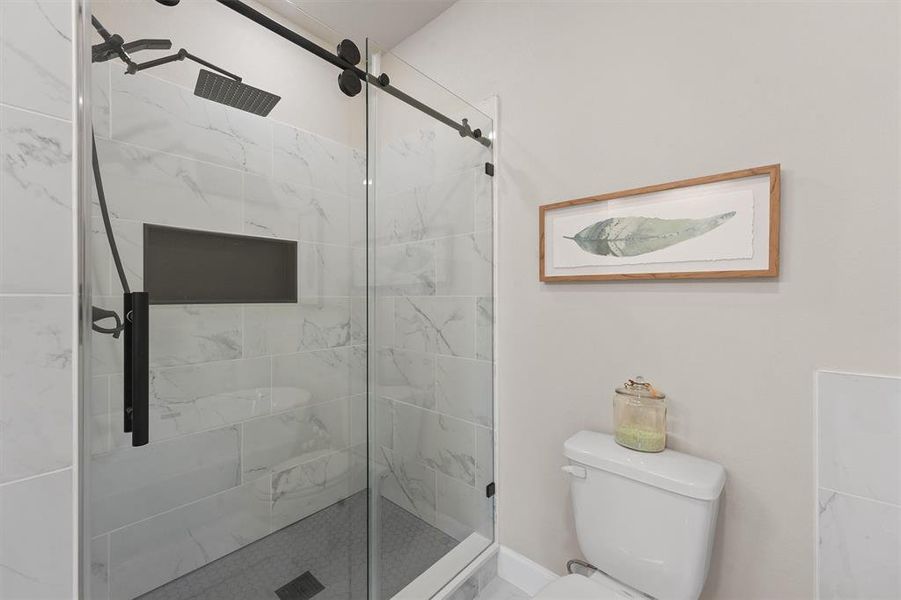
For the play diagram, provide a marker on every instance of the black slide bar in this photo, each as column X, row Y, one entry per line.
column 292, row 36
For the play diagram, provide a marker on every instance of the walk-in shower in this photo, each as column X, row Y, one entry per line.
column 290, row 391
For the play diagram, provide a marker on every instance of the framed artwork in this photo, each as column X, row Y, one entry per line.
column 719, row 226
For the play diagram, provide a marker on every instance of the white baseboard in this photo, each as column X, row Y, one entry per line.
column 522, row 572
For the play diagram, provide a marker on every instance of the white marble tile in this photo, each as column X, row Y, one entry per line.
column 149, row 112
column 130, row 242
column 326, row 270
column 859, row 549
column 485, row 328
column 296, row 212
column 464, row 389
column 439, row 209
column 406, row 269
column 462, row 509
column 97, row 426
column 312, row 377
column 314, row 161
column 465, row 265
column 130, row 484
column 406, row 376
column 101, row 260
column 500, row 589
column 35, row 385
column 153, row 552
column 484, row 202
column 443, row 443
column 36, row 56
column 484, row 457
column 149, row 186
column 358, row 317
column 98, row 583
column 311, row 324
column 440, row 325
column 468, row 591
column 36, row 538
column 301, row 490
column 860, row 435
column 35, row 203
column 189, row 334
column 100, row 99
column 286, row 439
column 197, row 397
column 382, row 330
column 410, row 485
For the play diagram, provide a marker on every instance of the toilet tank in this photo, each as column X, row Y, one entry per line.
column 645, row 519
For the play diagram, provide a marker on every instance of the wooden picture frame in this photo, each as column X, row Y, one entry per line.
column 759, row 185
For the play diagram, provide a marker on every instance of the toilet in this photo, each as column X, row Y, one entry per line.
column 645, row 521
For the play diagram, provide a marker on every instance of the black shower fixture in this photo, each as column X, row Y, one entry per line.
column 168, row 2
column 224, row 87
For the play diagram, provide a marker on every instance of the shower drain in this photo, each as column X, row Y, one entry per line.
column 302, row 588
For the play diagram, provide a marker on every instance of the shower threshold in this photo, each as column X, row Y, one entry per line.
column 331, row 546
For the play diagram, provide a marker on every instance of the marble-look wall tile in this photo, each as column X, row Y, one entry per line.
column 282, row 440
column 406, row 269
column 462, row 509
column 485, row 328
column 312, row 324
column 36, row 537
column 98, row 583
column 484, row 202
column 314, row 161
column 148, row 186
column 98, row 425
column 438, row 441
column 189, row 334
column 35, row 203
column 197, row 397
column 326, row 270
column 301, row 490
column 100, row 99
column 439, row 209
column 410, row 485
column 465, row 265
column 464, row 389
column 484, row 457
column 859, row 438
column 130, row 484
column 312, row 377
column 153, row 552
column 358, row 317
column 294, row 211
column 35, row 385
column 859, row 552
column 36, row 56
column 160, row 116
column 440, row 325
column 101, row 260
column 406, row 376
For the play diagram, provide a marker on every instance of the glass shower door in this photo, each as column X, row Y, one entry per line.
column 431, row 370
column 243, row 230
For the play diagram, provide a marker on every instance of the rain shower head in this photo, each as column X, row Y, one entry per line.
column 234, row 93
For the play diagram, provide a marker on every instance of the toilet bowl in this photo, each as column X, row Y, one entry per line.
column 646, row 521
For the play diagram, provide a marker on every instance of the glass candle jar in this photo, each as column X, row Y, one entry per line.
column 639, row 413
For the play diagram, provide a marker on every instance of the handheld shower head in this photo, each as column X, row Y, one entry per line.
column 168, row 2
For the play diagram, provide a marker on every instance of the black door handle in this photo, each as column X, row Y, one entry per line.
column 137, row 367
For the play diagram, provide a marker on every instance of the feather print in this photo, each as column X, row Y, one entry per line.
column 633, row 236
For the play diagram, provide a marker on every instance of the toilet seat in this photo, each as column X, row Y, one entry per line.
column 576, row 587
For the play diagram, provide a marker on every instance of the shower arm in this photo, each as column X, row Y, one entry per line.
column 180, row 55
column 351, row 71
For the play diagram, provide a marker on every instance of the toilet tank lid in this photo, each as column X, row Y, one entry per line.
column 669, row 470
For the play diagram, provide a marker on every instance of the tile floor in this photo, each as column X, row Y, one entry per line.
column 331, row 544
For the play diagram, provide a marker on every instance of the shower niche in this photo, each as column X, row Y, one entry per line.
column 319, row 357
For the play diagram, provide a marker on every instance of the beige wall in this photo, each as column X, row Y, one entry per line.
column 597, row 97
